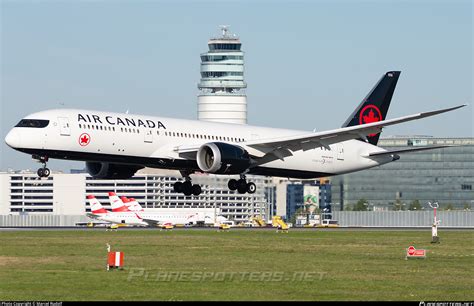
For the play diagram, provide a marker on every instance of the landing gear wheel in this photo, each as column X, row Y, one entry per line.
column 187, row 188
column 43, row 172
column 242, row 186
column 196, row 189
column 232, row 184
column 178, row 187
column 46, row 172
column 251, row 188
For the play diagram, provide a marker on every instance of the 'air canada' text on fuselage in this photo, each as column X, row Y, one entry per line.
column 120, row 121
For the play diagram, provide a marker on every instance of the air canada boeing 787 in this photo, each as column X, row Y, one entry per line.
column 116, row 145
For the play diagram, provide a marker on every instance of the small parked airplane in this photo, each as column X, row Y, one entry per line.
column 121, row 214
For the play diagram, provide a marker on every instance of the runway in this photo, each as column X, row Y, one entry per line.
column 298, row 229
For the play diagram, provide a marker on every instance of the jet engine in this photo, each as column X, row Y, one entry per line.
column 102, row 170
column 222, row 158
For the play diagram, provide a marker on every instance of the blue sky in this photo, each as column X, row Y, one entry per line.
column 307, row 63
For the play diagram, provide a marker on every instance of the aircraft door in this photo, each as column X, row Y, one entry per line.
column 148, row 135
column 64, row 128
column 340, row 151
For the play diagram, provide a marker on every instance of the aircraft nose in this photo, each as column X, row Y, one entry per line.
column 13, row 139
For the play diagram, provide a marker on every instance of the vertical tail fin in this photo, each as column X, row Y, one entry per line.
column 116, row 203
column 375, row 105
column 96, row 207
column 132, row 204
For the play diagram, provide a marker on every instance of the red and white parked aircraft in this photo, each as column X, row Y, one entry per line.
column 135, row 215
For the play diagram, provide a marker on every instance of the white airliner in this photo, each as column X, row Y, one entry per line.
column 116, row 145
column 122, row 215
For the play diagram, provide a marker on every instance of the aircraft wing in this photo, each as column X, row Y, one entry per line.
column 266, row 150
column 150, row 222
column 93, row 216
column 324, row 139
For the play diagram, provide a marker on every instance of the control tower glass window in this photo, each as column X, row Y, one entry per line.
column 217, row 58
column 224, row 46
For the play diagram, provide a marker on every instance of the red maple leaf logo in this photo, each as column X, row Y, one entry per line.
column 84, row 139
column 371, row 117
column 370, row 114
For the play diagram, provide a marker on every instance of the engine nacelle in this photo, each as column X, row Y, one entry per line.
column 111, row 171
column 222, row 158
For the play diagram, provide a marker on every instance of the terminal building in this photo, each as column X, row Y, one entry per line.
column 443, row 175
column 23, row 193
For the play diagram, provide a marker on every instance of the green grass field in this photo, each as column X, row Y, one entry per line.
column 236, row 265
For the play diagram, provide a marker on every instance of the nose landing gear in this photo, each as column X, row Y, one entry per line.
column 43, row 171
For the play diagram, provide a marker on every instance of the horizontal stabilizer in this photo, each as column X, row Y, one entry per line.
column 401, row 151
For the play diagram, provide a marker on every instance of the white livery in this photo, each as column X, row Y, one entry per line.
column 116, row 145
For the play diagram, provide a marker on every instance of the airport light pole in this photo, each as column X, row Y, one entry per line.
column 434, row 227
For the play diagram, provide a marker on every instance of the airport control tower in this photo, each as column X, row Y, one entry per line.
column 222, row 88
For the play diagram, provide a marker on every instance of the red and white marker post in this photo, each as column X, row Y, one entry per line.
column 114, row 259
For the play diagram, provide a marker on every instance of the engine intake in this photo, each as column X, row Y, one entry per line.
column 222, row 158
column 111, row 171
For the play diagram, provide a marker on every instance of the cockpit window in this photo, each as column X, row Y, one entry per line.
column 33, row 123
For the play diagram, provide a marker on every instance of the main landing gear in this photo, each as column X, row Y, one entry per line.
column 43, row 171
column 241, row 185
column 187, row 188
